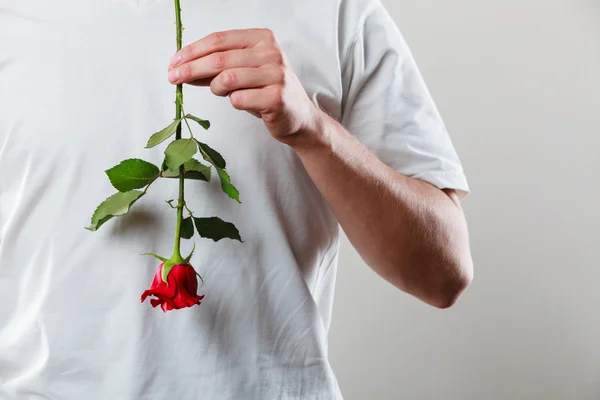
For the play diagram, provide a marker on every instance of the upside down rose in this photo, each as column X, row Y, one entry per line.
column 179, row 292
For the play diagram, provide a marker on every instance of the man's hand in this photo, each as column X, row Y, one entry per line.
column 248, row 66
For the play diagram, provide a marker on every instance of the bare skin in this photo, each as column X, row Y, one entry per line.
column 411, row 233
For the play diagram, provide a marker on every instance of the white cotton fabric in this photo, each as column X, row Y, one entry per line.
column 83, row 84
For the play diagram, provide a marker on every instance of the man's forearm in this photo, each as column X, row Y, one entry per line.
column 411, row 233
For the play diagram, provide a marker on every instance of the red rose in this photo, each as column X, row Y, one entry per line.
column 181, row 291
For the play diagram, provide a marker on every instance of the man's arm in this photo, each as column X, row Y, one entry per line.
column 411, row 233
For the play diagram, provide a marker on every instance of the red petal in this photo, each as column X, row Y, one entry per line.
column 156, row 302
column 168, row 305
column 145, row 294
column 157, row 278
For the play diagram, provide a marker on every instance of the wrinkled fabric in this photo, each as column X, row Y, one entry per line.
column 83, row 84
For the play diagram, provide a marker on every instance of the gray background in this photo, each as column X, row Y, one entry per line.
column 517, row 82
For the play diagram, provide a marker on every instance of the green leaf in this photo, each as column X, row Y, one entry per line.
column 194, row 165
column 116, row 205
column 155, row 256
column 204, row 123
column 197, row 176
column 132, row 174
column 216, row 229
column 194, row 175
column 187, row 228
column 226, row 185
column 167, row 173
column 211, row 155
column 178, row 152
column 163, row 135
column 194, row 169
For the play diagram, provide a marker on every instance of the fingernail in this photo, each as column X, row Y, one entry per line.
column 174, row 75
column 176, row 59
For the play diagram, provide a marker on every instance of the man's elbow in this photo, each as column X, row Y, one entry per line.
column 448, row 283
column 451, row 284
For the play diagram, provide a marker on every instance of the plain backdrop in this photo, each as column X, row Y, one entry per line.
column 518, row 85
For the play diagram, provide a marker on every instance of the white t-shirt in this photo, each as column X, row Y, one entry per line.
column 83, row 84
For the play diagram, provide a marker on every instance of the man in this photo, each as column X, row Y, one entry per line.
column 339, row 128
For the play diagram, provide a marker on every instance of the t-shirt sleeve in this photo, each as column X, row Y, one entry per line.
column 387, row 106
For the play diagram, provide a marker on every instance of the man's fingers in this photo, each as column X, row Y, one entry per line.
column 202, row 82
column 221, row 41
column 254, row 113
column 266, row 99
column 215, row 63
column 245, row 78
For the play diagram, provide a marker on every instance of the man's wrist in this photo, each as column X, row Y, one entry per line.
column 315, row 134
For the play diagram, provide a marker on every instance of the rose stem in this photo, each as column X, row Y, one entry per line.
column 176, row 257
